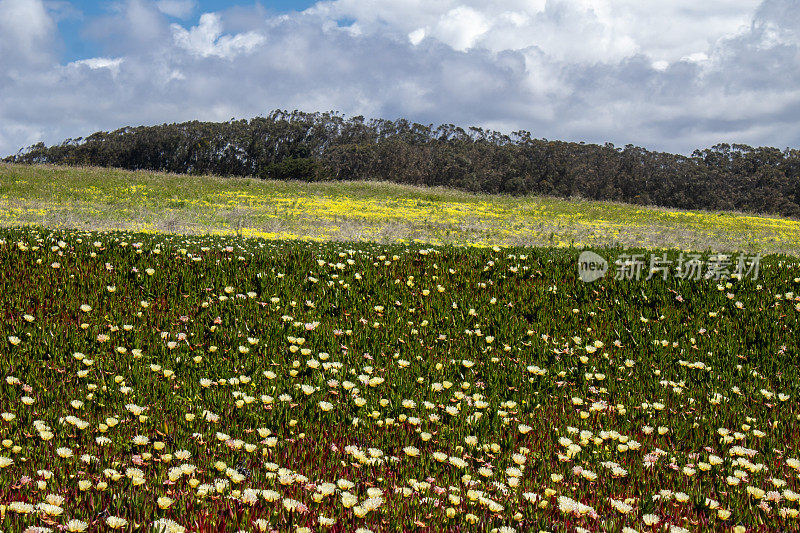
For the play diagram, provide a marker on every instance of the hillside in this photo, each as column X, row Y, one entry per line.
column 329, row 147
column 98, row 198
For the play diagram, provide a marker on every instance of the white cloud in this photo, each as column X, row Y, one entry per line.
column 206, row 39
column 671, row 75
column 590, row 30
column 26, row 31
column 460, row 27
column 95, row 63
column 416, row 36
column 660, row 65
column 177, row 8
column 696, row 57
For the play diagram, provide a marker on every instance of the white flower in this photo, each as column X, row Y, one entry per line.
column 411, row 451
column 76, row 526
column 165, row 525
column 115, row 522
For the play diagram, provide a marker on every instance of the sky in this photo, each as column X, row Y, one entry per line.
column 674, row 75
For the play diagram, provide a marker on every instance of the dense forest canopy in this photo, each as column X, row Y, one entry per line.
column 328, row 146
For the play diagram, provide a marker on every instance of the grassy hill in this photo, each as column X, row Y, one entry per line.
column 101, row 198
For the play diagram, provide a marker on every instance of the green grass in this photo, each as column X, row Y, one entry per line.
column 106, row 199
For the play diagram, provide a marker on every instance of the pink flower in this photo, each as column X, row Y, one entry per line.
column 650, row 459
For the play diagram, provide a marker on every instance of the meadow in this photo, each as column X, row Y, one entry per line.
column 109, row 199
column 155, row 382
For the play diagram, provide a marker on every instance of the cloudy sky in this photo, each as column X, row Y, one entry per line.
column 672, row 75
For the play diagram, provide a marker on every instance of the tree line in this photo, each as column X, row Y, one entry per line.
column 328, row 146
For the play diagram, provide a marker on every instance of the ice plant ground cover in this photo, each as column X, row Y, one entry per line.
column 171, row 383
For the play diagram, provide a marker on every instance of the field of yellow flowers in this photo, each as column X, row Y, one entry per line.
column 170, row 383
column 113, row 199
